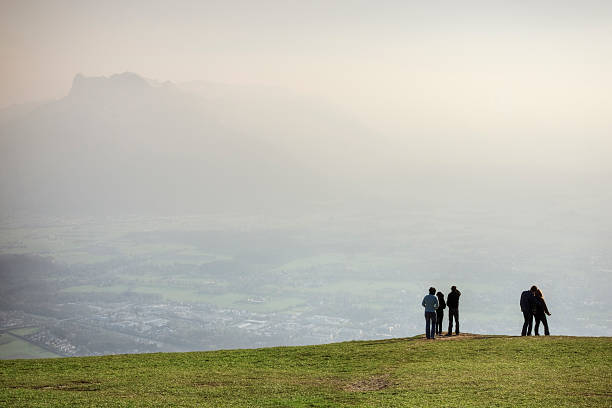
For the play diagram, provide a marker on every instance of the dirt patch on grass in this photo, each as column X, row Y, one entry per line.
column 602, row 394
column 208, row 384
column 374, row 383
column 461, row 336
column 80, row 385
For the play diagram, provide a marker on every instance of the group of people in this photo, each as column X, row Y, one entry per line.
column 434, row 305
column 534, row 305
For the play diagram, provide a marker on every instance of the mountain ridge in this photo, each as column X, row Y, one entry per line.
column 146, row 142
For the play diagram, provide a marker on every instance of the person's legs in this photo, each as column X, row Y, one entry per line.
column 432, row 330
column 537, row 325
column 433, row 325
column 430, row 325
column 545, row 323
column 527, row 324
column 456, row 321
column 439, row 319
column 453, row 313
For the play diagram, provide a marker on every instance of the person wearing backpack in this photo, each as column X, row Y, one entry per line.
column 440, row 312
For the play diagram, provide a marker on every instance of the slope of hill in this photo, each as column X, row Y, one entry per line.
column 463, row 371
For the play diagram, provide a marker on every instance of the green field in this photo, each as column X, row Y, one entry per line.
column 223, row 300
column 26, row 331
column 464, row 371
column 14, row 347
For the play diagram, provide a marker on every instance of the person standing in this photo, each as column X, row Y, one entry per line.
column 528, row 307
column 452, row 301
column 430, row 303
column 541, row 312
column 440, row 312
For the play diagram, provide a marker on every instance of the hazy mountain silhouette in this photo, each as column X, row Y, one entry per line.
column 124, row 143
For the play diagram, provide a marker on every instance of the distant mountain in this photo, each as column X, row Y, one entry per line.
column 15, row 112
column 124, row 144
column 321, row 134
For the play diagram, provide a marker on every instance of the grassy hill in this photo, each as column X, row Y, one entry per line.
column 463, row 371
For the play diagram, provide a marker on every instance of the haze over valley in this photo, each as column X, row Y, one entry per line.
column 243, row 205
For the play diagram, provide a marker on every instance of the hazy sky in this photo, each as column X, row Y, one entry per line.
column 507, row 74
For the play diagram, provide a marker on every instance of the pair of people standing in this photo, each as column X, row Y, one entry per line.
column 434, row 305
column 533, row 305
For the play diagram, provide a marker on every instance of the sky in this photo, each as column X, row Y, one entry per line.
column 527, row 80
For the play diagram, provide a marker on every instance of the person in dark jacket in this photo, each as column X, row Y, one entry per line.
column 440, row 312
column 541, row 312
column 452, row 301
column 528, row 307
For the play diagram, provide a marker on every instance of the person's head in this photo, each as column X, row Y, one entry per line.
column 453, row 288
column 539, row 293
column 534, row 288
column 440, row 295
column 432, row 291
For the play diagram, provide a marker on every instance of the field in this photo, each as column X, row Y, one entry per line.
column 463, row 371
column 372, row 270
column 14, row 347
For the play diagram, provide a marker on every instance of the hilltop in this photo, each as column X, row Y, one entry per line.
column 464, row 371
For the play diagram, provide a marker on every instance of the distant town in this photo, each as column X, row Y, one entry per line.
column 125, row 327
column 148, row 285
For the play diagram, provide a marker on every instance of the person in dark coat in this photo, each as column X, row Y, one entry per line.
column 452, row 301
column 440, row 312
column 541, row 312
column 528, row 307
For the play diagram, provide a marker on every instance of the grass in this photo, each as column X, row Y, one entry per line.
column 470, row 371
column 14, row 347
column 228, row 299
column 25, row 331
